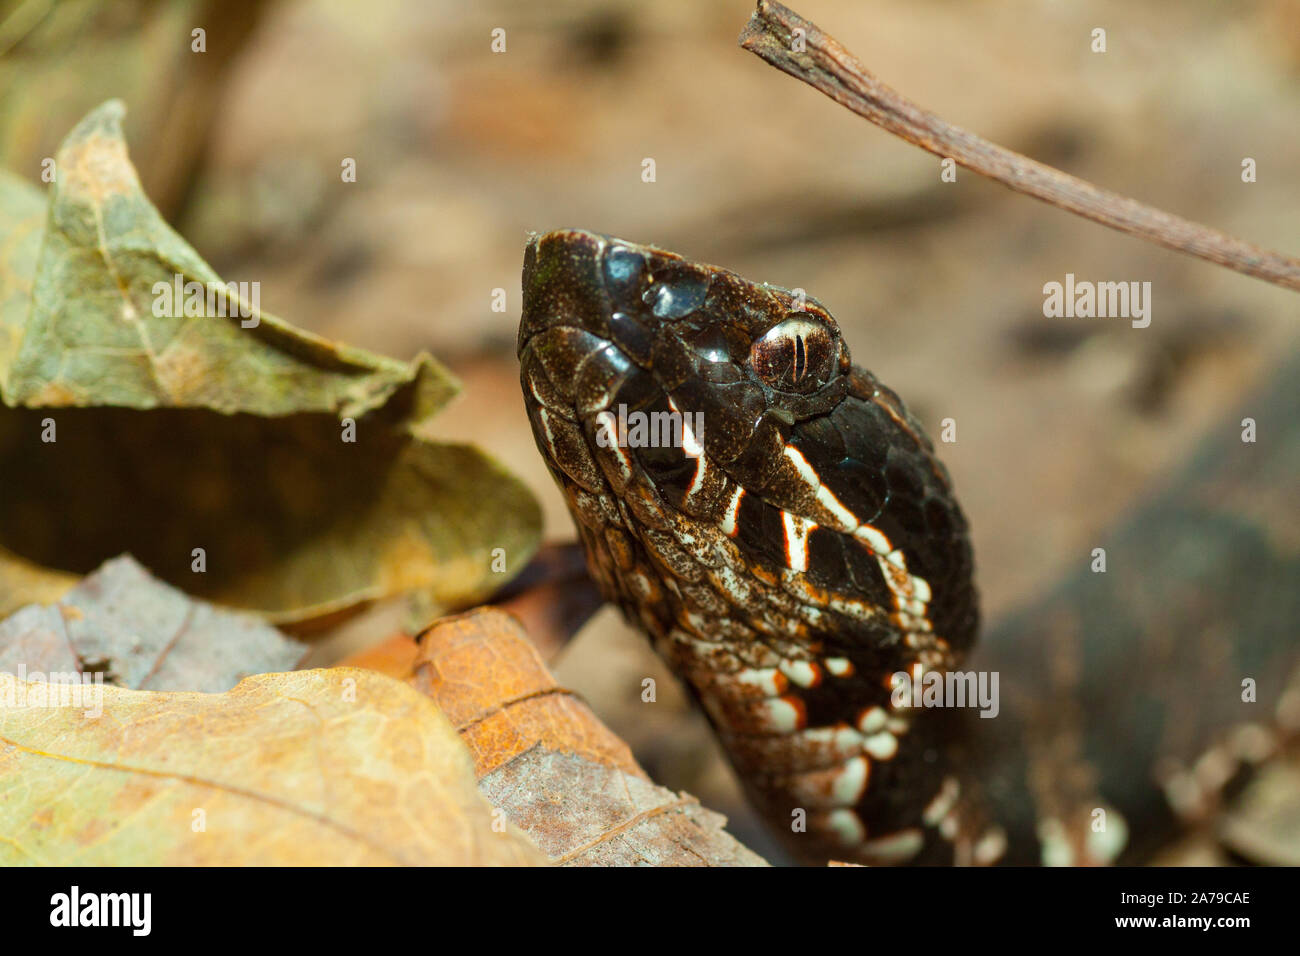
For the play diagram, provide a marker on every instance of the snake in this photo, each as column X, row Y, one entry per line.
column 780, row 527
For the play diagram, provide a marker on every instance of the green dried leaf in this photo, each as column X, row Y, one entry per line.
column 175, row 434
column 90, row 334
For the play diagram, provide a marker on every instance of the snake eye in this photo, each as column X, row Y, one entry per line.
column 796, row 355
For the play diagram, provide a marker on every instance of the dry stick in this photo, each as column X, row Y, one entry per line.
column 827, row 66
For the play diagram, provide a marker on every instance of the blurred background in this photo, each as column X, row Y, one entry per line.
column 460, row 152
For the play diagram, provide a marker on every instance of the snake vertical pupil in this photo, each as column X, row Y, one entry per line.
column 796, row 355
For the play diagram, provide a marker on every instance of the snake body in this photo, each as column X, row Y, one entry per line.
column 781, row 529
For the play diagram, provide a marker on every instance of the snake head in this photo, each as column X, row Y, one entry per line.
column 605, row 313
column 804, row 461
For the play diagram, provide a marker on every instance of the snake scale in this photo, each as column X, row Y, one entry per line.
column 779, row 525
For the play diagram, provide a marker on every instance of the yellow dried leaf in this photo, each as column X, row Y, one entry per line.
column 341, row 767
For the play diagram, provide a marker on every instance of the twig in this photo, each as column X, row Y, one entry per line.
column 824, row 64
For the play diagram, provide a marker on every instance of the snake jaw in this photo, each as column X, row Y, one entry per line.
column 792, row 543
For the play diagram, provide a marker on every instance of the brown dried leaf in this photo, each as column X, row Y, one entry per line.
column 394, row 657
column 493, row 686
column 555, row 770
column 340, row 767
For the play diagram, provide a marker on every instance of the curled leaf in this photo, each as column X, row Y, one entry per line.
column 151, row 408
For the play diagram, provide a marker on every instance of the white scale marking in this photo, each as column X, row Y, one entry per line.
column 847, row 519
column 801, row 465
column 846, row 738
column 846, row 825
column 692, row 448
column 851, row 781
column 624, row 462
column 876, row 541
column 698, row 621
column 840, row 743
column 896, row 847
column 701, row 474
column 882, row 746
column 838, row 666
column 990, row 847
column 872, row 721
column 852, row 608
column 797, row 530
column 800, row 672
column 640, row 584
column 532, row 387
column 764, row 678
column 782, row 716
column 733, row 585
column 616, row 446
column 911, row 594
column 545, row 417
column 732, row 512
column 943, row 801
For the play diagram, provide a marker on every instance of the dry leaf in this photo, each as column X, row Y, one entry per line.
column 22, row 582
column 176, row 433
column 394, row 657
column 60, row 57
column 142, row 634
column 550, row 765
column 340, row 767
column 489, row 680
column 552, row 598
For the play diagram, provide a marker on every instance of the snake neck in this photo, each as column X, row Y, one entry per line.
column 797, row 682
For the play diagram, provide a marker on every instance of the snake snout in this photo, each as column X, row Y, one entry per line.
column 615, row 289
column 562, row 284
